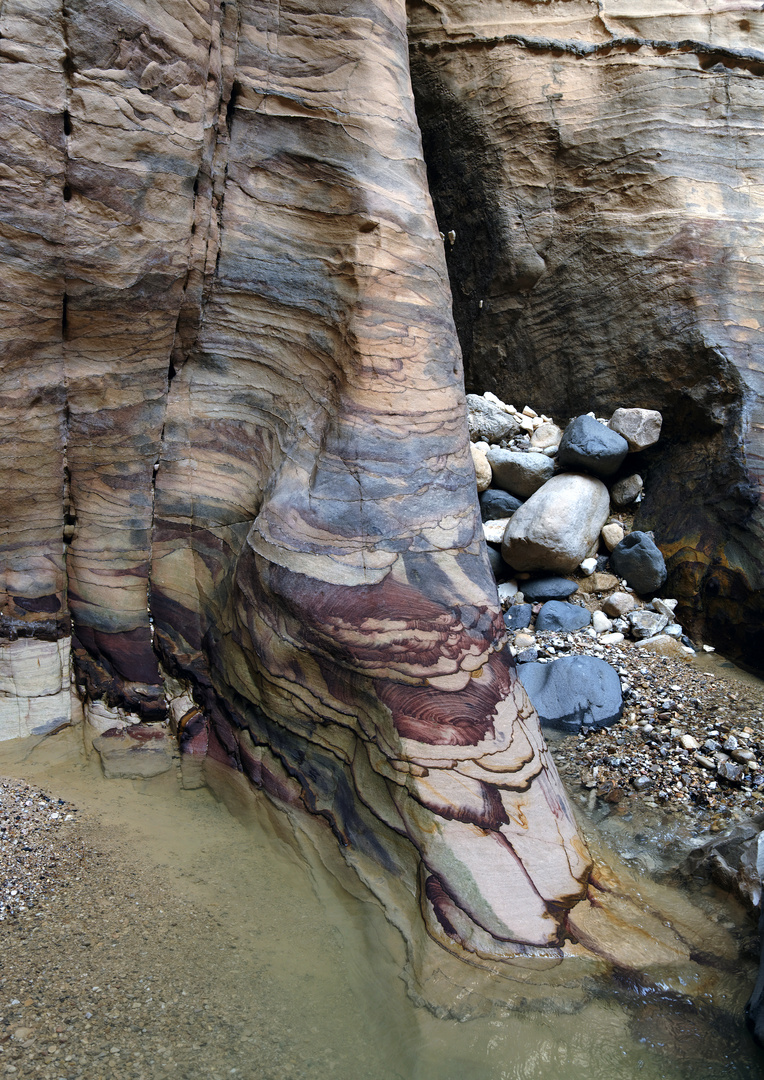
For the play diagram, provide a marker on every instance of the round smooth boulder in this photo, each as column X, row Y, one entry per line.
column 560, row 617
column 495, row 504
column 587, row 444
column 558, row 526
column 519, row 472
column 638, row 559
column 574, row 693
column 549, row 588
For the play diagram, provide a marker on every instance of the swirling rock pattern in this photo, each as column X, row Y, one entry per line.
column 238, row 435
column 601, row 169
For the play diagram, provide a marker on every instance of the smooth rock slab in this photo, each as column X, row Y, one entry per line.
column 498, row 504
column 589, row 445
column 574, row 692
column 487, row 421
column 549, row 588
column 557, row 615
column 133, row 753
column 520, row 473
column 558, row 525
column 639, row 427
column 639, row 560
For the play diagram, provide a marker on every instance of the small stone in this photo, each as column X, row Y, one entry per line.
column 588, row 566
column 704, row 762
column 527, row 656
column 601, row 622
column 731, row 771
column 663, row 645
column 619, row 604
column 665, row 607
column 612, row 534
column 730, row 743
column 639, row 427
column 557, row 616
column 645, row 623
column 507, row 591
column 708, row 648
column 599, row 582
column 743, row 756
column 483, row 474
column 493, row 531
column 689, row 743
column 611, row 639
column 518, row 617
column 642, row 783
column 549, row 588
column 627, row 490
column 524, row 641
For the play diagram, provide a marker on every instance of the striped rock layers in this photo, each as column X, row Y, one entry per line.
column 236, row 441
column 601, row 168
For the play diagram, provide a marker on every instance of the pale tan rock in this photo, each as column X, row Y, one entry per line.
column 493, row 531
column 483, row 473
column 639, row 427
column 557, row 525
column 598, row 582
column 664, row 645
column 612, row 534
column 546, row 434
column 619, row 604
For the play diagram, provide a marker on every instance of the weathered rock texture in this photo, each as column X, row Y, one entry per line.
column 601, row 167
column 236, row 439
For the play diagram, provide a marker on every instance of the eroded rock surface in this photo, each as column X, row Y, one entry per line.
column 238, row 441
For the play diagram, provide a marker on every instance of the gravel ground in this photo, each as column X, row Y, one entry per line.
column 690, row 741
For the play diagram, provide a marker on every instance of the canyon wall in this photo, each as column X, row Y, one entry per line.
column 237, row 461
column 600, row 165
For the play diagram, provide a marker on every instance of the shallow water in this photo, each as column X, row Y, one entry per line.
column 317, row 972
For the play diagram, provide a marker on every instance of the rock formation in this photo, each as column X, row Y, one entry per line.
column 596, row 170
column 237, row 443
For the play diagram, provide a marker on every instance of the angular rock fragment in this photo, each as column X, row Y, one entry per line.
column 558, row 525
column 639, row 427
column 487, row 421
column 588, row 445
column 625, row 491
column 645, row 623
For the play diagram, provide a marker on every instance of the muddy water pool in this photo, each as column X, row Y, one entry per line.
column 217, row 948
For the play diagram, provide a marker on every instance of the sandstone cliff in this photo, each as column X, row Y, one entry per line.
column 600, row 165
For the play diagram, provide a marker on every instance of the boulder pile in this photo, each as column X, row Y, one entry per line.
column 557, row 506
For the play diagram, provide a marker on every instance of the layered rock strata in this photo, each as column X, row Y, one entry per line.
column 596, row 170
column 238, row 443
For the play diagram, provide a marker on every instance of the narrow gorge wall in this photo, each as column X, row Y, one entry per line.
column 236, row 441
column 601, row 167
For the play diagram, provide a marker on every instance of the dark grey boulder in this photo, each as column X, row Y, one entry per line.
column 549, row 588
column 496, row 504
column 574, row 693
column 639, row 560
column 499, row 567
column 558, row 616
column 518, row 617
column 590, row 446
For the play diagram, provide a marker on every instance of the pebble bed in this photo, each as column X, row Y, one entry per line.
column 689, row 741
